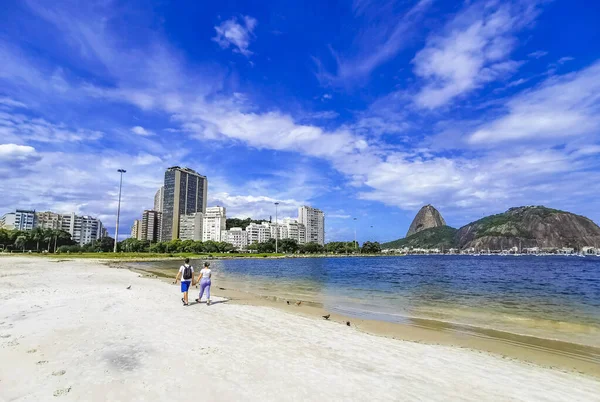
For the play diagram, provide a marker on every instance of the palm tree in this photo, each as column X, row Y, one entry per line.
column 21, row 241
column 37, row 235
column 48, row 235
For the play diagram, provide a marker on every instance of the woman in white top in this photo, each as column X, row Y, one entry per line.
column 204, row 279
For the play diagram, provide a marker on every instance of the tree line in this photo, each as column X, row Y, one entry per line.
column 38, row 239
column 51, row 240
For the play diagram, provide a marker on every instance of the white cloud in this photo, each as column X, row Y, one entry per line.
column 144, row 159
column 561, row 107
column 139, row 130
column 237, row 35
column 386, row 35
column 325, row 115
column 18, row 127
column 537, row 54
column 14, row 152
column 472, row 50
column 11, row 103
column 563, row 60
column 338, row 216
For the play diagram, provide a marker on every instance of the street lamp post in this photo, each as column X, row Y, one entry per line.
column 355, row 243
column 276, row 228
column 119, row 208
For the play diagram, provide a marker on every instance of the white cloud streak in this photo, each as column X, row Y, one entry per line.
column 472, row 50
column 561, row 107
column 236, row 34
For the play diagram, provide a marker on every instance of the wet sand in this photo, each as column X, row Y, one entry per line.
column 543, row 352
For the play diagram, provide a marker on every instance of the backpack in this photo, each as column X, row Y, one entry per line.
column 187, row 272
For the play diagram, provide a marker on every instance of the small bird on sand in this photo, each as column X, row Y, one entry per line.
column 298, row 303
column 327, row 316
column 288, row 302
column 348, row 323
column 129, row 287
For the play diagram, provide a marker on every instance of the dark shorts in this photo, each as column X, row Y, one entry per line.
column 185, row 285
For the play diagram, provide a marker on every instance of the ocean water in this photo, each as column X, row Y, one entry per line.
column 550, row 297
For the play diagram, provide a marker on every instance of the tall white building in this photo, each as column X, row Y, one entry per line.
column 258, row 232
column 83, row 229
column 235, row 236
column 190, row 226
column 214, row 224
column 314, row 222
column 278, row 231
column 158, row 199
column 295, row 230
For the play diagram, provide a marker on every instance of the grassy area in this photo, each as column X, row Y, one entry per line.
column 145, row 256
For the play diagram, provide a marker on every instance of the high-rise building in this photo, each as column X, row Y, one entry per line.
column 83, row 229
column 295, row 230
column 158, row 199
column 258, row 232
column 278, row 231
column 136, row 229
column 150, row 226
column 185, row 192
column 314, row 223
column 86, row 229
column 236, row 237
column 190, row 226
column 214, row 223
column 21, row 219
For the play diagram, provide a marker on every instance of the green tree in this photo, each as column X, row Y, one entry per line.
column 370, row 248
column 288, row 246
column 37, row 235
column 21, row 241
column 311, row 248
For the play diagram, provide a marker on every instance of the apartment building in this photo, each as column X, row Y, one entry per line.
column 185, row 193
column 136, row 229
column 190, row 226
column 313, row 220
column 214, row 224
column 258, row 232
column 235, row 236
column 150, row 226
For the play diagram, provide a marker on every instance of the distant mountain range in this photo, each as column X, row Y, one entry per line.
column 531, row 226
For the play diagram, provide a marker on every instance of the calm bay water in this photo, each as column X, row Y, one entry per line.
column 553, row 297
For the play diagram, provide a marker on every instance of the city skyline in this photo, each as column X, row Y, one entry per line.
column 473, row 107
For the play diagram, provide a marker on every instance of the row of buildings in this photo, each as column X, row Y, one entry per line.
column 180, row 212
column 83, row 228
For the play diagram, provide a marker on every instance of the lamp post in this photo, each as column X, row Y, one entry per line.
column 118, row 208
column 276, row 228
column 355, row 243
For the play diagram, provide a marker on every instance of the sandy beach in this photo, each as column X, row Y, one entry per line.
column 71, row 330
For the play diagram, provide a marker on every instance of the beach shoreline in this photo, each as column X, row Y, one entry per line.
column 540, row 351
column 73, row 329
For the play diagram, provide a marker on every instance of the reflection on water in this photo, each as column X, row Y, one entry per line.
column 547, row 297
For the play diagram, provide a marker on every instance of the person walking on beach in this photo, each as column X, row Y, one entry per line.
column 186, row 274
column 204, row 280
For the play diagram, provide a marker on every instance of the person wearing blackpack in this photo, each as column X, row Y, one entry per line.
column 186, row 274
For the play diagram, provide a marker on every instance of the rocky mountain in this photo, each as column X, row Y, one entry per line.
column 532, row 226
column 428, row 217
column 442, row 237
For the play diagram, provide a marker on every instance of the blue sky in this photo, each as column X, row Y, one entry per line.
column 366, row 109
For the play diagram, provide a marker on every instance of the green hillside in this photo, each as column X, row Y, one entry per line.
column 440, row 237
